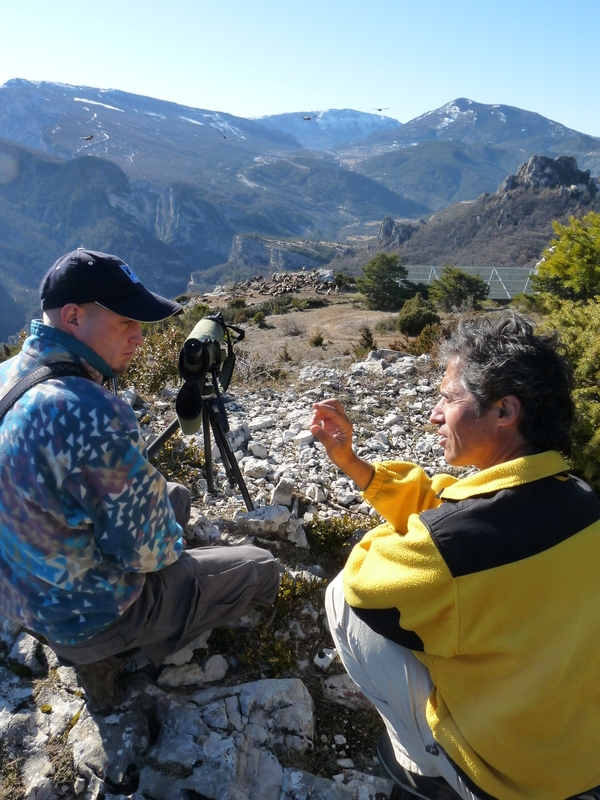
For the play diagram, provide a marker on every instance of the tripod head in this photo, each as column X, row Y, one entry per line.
column 208, row 349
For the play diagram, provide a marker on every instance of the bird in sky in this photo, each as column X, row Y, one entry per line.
column 306, row 117
column 385, row 108
column 87, row 138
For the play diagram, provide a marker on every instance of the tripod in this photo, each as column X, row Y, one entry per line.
column 214, row 418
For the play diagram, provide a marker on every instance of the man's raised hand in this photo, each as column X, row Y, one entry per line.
column 332, row 428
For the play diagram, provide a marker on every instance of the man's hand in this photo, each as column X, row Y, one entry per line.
column 330, row 426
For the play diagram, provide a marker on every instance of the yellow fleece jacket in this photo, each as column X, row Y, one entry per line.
column 498, row 574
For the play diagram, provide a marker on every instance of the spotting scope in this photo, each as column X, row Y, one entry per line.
column 204, row 351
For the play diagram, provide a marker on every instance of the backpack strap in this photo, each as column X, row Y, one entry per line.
column 55, row 369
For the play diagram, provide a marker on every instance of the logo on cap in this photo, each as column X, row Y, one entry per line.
column 130, row 273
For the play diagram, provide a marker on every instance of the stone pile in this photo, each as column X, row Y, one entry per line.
column 316, row 280
column 192, row 731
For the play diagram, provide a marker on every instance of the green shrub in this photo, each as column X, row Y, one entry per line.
column 343, row 281
column 261, row 648
column 415, row 315
column 284, row 354
column 331, row 539
column 154, row 365
column 237, row 302
column 383, row 283
column 316, row 339
column 457, row 290
column 191, row 315
column 579, row 327
column 570, row 265
column 259, row 319
column 426, row 341
column 180, row 460
column 366, row 343
column 300, row 303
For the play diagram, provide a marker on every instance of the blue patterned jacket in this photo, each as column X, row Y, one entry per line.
column 83, row 514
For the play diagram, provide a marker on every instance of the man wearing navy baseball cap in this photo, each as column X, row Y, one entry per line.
column 91, row 547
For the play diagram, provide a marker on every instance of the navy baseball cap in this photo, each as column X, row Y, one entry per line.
column 85, row 276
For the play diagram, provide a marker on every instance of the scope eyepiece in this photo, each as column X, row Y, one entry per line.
column 194, row 352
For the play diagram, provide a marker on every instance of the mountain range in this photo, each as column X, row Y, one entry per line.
column 168, row 187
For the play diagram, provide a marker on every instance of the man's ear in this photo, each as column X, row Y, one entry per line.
column 70, row 316
column 510, row 410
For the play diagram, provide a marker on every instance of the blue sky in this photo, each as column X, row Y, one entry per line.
column 256, row 57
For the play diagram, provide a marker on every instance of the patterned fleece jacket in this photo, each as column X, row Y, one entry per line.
column 83, row 514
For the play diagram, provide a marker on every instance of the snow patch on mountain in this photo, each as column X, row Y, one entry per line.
column 96, row 103
column 326, row 128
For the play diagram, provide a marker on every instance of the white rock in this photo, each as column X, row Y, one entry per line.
column 24, row 651
column 283, row 493
column 261, row 423
column 295, row 533
column 215, row 668
column 129, row 395
column 267, row 519
column 304, row 437
column 255, row 468
column 184, row 675
column 9, row 630
column 346, row 498
column 315, row 493
column 258, row 449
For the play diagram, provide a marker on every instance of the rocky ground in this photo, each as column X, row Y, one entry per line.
column 262, row 710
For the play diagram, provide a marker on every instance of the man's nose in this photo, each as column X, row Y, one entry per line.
column 436, row 417
column 137, row 335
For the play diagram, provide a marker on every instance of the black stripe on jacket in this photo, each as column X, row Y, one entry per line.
column 496, row 529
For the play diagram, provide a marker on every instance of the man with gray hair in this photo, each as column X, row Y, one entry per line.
column 91, row 547
column 471, row 617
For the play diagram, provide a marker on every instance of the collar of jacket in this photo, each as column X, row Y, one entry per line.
column 506, row 475
column 73, row 345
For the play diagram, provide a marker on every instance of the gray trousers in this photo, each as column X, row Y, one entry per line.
column 206, row 587
column 397, row 684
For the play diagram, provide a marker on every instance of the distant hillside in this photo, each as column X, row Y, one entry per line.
column 439, row 173
column 509, row 227
column 49, row 206
column 322, row 130
column 152, row 140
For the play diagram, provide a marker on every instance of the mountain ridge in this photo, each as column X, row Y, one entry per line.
column 173, row 185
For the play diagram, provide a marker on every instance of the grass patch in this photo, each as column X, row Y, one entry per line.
column 12, row 785
column 181, row 460
column 269, row 648
column 332, row 539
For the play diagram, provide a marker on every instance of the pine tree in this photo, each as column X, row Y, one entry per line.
column 384, row 282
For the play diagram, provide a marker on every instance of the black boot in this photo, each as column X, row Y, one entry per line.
column 100, row 681
column 422, row 786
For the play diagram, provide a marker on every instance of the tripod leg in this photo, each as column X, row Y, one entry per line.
column 232, row 468
column 156, row 444
column 210, row 478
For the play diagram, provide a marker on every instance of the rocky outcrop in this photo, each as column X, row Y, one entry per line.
column 393, row 234
column 542, row 172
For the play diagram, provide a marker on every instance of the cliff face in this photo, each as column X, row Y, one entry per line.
column 196, row 227
column 270, row 255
